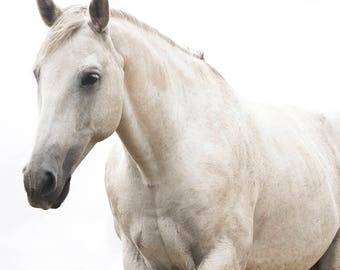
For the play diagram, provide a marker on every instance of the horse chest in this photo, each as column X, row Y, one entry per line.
column 159, row 226
column 160, row 241
column 175, row 223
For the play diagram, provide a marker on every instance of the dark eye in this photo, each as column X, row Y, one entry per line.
column 89, row 79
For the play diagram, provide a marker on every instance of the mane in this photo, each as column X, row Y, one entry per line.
column 74, row 17
column 135, row 21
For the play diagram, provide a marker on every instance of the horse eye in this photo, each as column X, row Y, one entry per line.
column 89, row 79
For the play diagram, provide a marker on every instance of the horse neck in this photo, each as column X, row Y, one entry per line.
column 170, row 97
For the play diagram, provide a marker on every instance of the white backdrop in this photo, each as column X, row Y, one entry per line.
column 268, row 50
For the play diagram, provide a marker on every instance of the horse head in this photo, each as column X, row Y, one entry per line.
column 80, row 86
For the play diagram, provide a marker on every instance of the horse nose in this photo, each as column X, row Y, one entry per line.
column 39, row 183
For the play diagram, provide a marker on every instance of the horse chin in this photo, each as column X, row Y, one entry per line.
column 56, row 204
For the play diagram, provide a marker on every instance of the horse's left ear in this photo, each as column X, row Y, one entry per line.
column 48, row 11
column 100, row 14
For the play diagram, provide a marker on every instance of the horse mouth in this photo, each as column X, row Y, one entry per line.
column 53, row 201
column 62, row 195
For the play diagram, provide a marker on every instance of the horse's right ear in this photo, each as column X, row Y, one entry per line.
column 100, row 14
column 48, row 11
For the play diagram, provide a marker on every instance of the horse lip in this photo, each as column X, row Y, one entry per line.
column 41, row 205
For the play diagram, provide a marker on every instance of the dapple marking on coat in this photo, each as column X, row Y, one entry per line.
column 198, row 178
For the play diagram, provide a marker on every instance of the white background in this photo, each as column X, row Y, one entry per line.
column 286, row 51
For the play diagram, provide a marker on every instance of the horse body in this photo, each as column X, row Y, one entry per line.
column 198, row 179
column 228, row 174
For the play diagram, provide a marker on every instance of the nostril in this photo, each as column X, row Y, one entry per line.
column 39, row 183
column 49, row 183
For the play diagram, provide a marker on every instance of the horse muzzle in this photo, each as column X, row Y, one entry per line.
column 44, row 188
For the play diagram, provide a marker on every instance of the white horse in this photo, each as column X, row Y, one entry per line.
column 198, row 179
